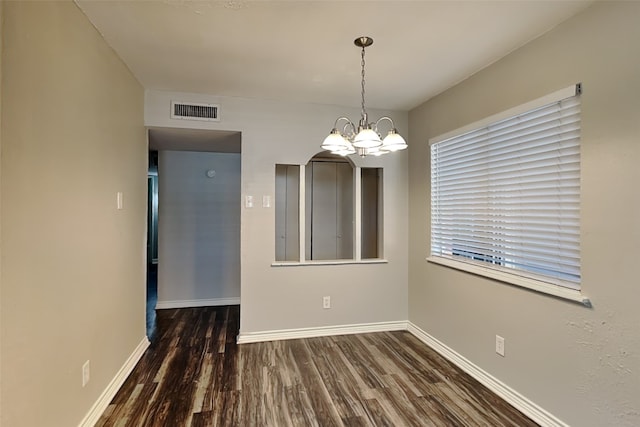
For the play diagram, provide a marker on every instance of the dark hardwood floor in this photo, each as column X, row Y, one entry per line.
column 194, row 374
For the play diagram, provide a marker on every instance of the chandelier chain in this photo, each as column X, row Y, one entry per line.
column 362, row 84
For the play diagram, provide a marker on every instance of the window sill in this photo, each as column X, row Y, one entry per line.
column 329, row 262
column 524, row 282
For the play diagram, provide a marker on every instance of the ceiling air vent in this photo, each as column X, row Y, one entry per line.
column 195, row 111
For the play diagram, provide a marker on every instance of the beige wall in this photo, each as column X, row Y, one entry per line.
column 580, row 364
column 276, row 298
column 73, row 265
column 1, row 84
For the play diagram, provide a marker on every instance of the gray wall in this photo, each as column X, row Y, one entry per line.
column 73, row 266
column 277, row 298
column 580, row 364
column 198, row 228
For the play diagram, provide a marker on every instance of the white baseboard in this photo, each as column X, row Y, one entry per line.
column 186, row 303
column 521, row 403
column 287, row 334
column 107, row 395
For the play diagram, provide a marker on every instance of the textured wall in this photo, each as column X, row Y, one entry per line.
column 199, row 226
column 580, row 364
column 73, row 266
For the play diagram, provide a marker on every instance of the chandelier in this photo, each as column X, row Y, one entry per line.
column 365, row 140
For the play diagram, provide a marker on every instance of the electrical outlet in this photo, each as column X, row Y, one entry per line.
column 326, row 302
column 500, row 345
column 86, row 373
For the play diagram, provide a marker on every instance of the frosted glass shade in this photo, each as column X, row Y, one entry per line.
column 367, row 138
column 345, row 151
column 375, row 151
column 393, row 142
column 334, row 142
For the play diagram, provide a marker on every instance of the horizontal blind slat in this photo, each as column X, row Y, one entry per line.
column 508, row 194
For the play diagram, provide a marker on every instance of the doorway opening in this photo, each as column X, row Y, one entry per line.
column 152, row 244
column 193, row 248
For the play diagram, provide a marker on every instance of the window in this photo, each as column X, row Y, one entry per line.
column 339, row 218
column 505, row 193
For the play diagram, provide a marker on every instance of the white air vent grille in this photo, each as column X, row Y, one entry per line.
column 195, row 111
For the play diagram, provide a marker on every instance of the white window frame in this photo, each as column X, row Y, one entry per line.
column 357, row 229
column 540, row 283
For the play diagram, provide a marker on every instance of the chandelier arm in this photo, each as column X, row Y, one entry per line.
column 348, row 123
column 393, row 126
column 348, row 131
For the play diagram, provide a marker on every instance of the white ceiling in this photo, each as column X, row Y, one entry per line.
column 303, row 50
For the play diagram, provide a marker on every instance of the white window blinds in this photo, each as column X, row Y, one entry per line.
column 507, row 195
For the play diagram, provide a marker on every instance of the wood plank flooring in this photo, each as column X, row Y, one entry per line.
column 194, row 374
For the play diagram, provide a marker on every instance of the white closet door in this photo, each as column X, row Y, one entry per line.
column 324, row 227
column 344, row 211
column 330, row 211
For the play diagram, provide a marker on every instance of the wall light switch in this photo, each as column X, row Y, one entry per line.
column 326, row 302
column 266, row 201
column 86, row 373
column 120, row 200
column 248, row 201
column 500, row 345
